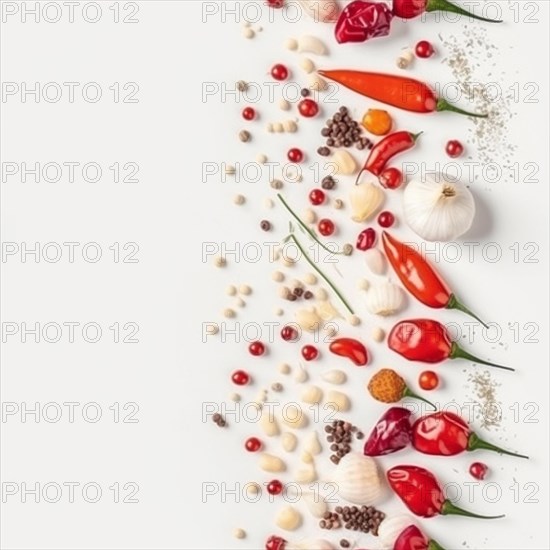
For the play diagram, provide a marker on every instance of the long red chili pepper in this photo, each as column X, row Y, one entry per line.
column 419, row 277
column 350, row 348
column 413, row 8
column 428, row 341
column 446, row 434
column 402, row 92
column 412, row 538
column 387, row 148
column 421, row 493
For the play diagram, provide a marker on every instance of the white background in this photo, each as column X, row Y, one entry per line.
column 170, row 452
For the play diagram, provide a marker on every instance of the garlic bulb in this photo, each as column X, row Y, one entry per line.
column 392, row 527
column 385, row 299
column 365, row 200
column 438, row 210
column 358, row 480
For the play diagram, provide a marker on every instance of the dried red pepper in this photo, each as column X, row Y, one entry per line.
column 412, row 538
column 419, row 277
column 386, row 149
column 391, row 433
column 428, row 341
column 413, row 8
column 366, row 239
column 421, row 493
column 402, row 92
column 350, row 348
column 446, row 434
column 361, row 20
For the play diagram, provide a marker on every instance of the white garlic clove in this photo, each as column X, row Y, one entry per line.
column 306, row 475
column 334, row 377
column 289, row 441
column 307, row 65
column 311, row 44
column 375, row 260
column 340, row 401
column 316, row 505
column 312, row 395
column 271, row 463
column 326, row 310
column 293, row 416
column 289, row 519
column 312, row 444
column 344, row 163
column 268, row 423
column 308, row 319
column 317, row 82
column 301, row 375
column 325, row 11
column 365, row 198
column 385, row 299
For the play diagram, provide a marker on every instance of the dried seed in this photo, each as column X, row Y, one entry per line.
column 220, row 261
column 239, row 199
column 244, row 135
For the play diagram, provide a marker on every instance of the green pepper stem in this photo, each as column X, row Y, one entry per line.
column 455, row 304
column 416, row 136
column 305, row 227
column 449, row 508
column 475, row 442
column 434, row 545
column 328, row 281
column 445, row 5
column 408, row 393
column 444, row 105
column 458, row 353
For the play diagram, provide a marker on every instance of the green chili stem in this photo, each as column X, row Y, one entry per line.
column 305, row 227
column 328, row 281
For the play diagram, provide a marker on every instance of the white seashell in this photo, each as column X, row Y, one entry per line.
column 392, row 527
column 340, row 401
column 316, row 505
column 312, row 444
column 289, row 441
column 365, row 200
column 376, row 261
column 311, row 44
column 289, row 519
column 334, row 377
column 310, row 544
column 437, row 209
column 312, row 395
column 385, row 299
column 324, row 11
column 358, row 480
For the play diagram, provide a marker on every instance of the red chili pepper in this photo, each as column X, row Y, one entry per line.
column 275, row 543
column 350, row 348
column 361, row 20
column 419, row 277
column 387, row 148
column 446, row 434
column 412, row 538
column 402, row 92
column 421, row 493
column 413, row 8
column 366, row 239
column 391, row 433
column 428, row 341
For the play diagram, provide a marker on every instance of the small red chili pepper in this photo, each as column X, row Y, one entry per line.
column 419, row 277
column 275, row 543
column 413, row 8
column 366, row 239
column 361, row 20
column 422, row 495
column 446, row 434
column 412, row 538
column 428, row 341
column 387, row 148
column 391, row 433
column 350, row 348
column 401, row 92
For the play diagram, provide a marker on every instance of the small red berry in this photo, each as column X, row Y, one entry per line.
column 454, row 148
column 274, row 487
column 309, row 353
column 478, row 470
column 386, row 219
column 240, row 377
column 289, row 334
column 256, row 349
column 308, row 108
column 279, row 72
column 428, row 380
column 295, row 155
column 366, row 239
column 275, row 3
column 391, row 178
column 317, row 197
column 424, row 49
column 249, row 113
column 326, row 227
column 253, row 444
column 275, row 543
